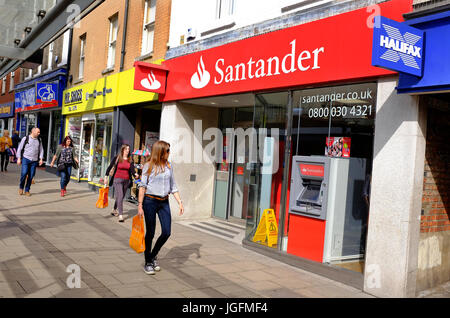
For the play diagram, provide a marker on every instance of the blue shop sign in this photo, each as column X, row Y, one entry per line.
column 6, row 110
column 397, row 46
column 436, row 67
column 25, row 98
column 46, row 93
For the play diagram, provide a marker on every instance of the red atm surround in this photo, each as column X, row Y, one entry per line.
column 307, row 240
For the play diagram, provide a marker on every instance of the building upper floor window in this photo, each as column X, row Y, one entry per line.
column 50, row 55
column 224, row 8
column 113, row 28
column 4, row 85
column 149, row 26
column 11, row 81
column 82, row 47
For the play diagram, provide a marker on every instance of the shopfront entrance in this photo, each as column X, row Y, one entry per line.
column 91, row 135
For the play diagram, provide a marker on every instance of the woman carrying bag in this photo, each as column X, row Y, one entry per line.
column 65, row 161
column 156, row 184
column 5, row 145
column 121, row 172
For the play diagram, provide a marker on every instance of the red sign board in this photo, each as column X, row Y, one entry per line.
column 337, row 48
column 338, row 147
column 150, row 77
column 312, row 170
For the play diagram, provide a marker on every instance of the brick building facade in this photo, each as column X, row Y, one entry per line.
column 95, row 29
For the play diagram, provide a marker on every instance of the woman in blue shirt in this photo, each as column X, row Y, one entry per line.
column 157, row 182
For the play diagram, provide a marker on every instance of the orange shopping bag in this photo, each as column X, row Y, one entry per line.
column 102, row 201
column 137, row 238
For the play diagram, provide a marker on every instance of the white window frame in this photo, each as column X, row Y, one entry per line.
column 148, row 31
column 29, row 75
column 224, row 8
column 113, row 30
column 39, row 71
column 11, row 83
column 82, row 56
column 51, row 47
column 4, row 85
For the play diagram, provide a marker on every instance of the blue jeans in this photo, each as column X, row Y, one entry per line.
column 151, row 208
column 65, row 176
column 28, row 169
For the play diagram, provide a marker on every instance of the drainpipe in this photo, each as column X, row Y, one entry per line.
column 124, row 36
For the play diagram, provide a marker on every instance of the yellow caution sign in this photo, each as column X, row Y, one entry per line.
column 267, row 228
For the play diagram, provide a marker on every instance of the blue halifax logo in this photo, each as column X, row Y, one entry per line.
column 397, row 47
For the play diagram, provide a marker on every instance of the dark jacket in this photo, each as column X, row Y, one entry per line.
column 15, row 140
column 131, row 171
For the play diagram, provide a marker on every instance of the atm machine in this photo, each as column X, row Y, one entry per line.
column 326, row 207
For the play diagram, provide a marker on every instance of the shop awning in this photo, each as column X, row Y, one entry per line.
column 27, row 26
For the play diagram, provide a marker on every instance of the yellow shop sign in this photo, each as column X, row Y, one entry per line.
column 104, row 93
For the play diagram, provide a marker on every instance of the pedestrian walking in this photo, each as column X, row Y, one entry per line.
column 15, row 141
column 65, row 161
column 157, row 182
column 5, row 144
column 30, row 150
column 121, row 172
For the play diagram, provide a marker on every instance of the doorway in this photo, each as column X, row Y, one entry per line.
column 86, row 150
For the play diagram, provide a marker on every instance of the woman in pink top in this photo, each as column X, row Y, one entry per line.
column 122, row 177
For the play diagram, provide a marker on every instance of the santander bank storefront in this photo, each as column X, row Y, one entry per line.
column 287, row 133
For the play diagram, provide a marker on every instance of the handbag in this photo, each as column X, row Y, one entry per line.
column 137, row 237
column 113, row 169
column 102, row 201
column 61, row 167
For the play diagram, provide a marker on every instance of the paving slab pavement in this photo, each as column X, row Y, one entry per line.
column 42, row 235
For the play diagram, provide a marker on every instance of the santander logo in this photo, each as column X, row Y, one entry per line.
column 294, row 60
column 200, row 78
column 150, row 82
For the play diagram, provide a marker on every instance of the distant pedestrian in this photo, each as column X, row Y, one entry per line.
column 5, row 144
column 15, row 141
column 30, row 154
column 157, row 182
column 65, row 160
column 121, row 172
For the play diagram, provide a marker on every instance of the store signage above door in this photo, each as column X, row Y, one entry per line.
column 46, row 93
column 326, row 50
column 6, row 110
column 150, row 77
column 25, row 99
column 397, row 46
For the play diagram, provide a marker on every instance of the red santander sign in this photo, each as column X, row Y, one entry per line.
column 150, row 77
column 337, row 48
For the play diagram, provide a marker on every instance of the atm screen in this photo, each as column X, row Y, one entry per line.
column 311, row 194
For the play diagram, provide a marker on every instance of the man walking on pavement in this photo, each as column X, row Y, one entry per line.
column 29, row 152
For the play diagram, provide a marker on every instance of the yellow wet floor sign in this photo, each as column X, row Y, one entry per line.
column 267, row 228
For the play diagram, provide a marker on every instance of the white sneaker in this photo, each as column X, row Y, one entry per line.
column 120, row 218
column 115, row 212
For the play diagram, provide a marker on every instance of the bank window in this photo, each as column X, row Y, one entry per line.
column 332, row 147
column 113, row 28
column 4, row 85
column 224, row 8
column 50, row 56
column 149, row 26
column 81, row 65
column 11, row 82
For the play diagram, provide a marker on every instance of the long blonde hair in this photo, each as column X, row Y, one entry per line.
column 157, row 157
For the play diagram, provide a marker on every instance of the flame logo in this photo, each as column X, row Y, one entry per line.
column 150, row 82
column 200, row 78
